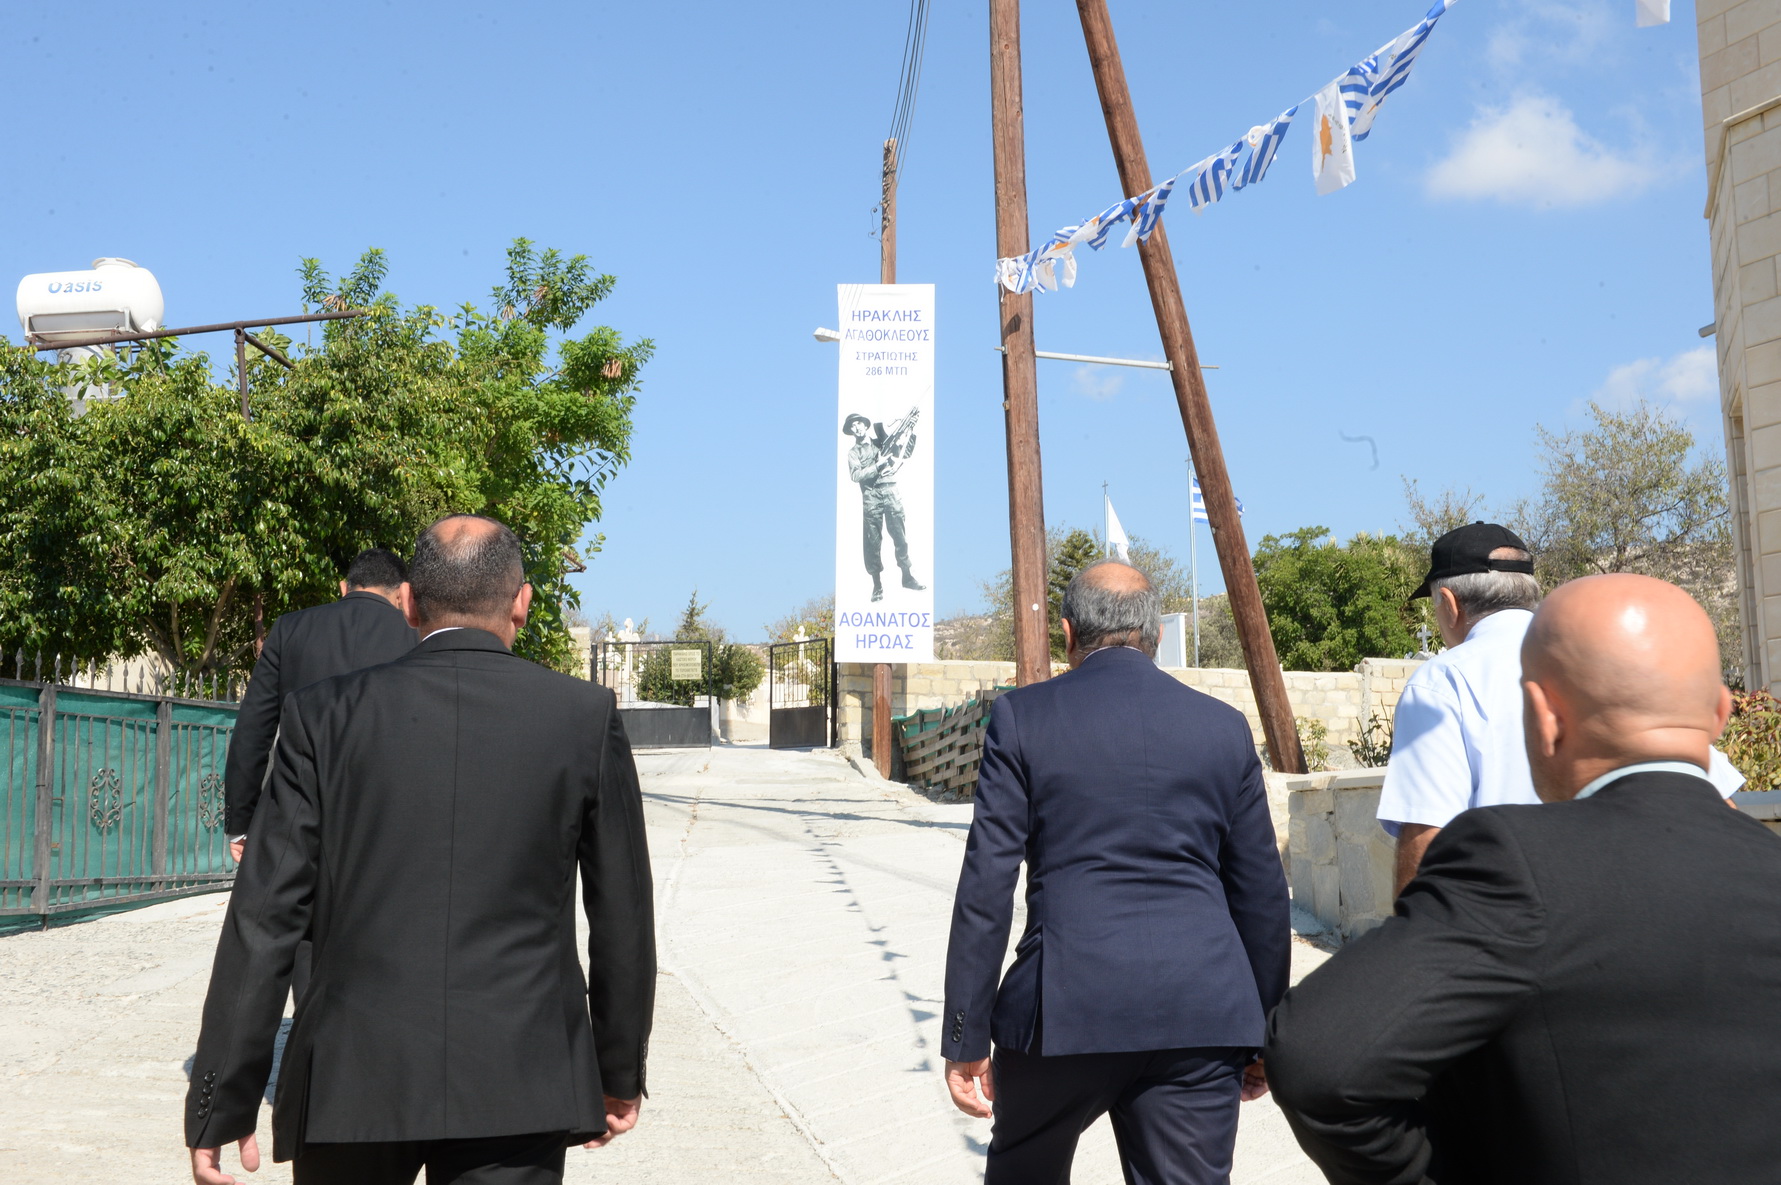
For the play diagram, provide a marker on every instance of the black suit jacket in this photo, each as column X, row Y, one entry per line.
column 1573, row 993
column 359, row 630
column 424, row 822
column 1157, row 914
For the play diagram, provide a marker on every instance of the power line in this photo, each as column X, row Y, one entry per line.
column 915, row 41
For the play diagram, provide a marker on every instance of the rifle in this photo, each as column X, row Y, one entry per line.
column 899, row 443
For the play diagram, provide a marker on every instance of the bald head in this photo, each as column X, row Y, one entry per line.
column 1110, row 603
column 1618, row 669
column 468, row 571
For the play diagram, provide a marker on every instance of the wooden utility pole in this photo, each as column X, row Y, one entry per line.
column 1020, row 380
column 887, row 274
column 1190, row 395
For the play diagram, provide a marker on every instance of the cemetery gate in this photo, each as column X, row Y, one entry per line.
column 665, row 691
column 801, row 694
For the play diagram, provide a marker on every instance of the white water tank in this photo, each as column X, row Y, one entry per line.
column 115, row 296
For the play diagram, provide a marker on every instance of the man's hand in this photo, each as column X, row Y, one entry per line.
column 621, row 1117
column 962, row 1079
column 235, row 850
column 1255, row 1081
column 207, row 1163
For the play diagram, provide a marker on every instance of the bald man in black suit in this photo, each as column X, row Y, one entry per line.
column 1576, row 991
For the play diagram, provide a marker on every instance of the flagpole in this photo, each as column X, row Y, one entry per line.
column 1106, row 523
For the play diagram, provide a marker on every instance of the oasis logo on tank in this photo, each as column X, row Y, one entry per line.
column 82, row 286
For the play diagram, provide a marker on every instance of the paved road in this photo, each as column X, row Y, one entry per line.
column 802, row 910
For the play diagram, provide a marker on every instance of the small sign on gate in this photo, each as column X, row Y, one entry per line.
column 686, row 665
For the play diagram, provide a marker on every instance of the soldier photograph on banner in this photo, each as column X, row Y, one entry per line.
column 884, row 514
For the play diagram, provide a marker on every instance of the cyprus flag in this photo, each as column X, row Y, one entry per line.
column 1332, row 149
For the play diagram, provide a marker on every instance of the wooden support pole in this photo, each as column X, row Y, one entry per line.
column 1020, row 380
column 1245, row 595
column 887, row 222
column 887, row 274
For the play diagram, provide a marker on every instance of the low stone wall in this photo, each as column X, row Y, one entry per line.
column 1342, row 701
column 1338, row 857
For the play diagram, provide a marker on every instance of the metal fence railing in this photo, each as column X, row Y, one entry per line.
column 109, row 797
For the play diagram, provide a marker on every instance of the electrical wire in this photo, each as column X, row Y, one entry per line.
column 915, row 41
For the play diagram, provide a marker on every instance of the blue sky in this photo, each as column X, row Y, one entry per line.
column 1525, row 234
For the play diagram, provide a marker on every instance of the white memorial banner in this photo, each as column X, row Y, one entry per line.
column 884, row 475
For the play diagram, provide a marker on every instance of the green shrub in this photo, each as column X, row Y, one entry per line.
column 1373, row 748
column 1752, row 739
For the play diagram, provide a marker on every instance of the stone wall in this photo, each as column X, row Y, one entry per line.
column 1340, row 860
column 1338, row 856
column 1343, row 701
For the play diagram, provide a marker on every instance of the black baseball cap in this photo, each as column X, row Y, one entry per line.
column 1467, row 549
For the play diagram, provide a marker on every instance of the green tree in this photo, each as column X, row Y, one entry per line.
column 1067, row 553
column 162, row 522
column 1219, row 645
column 815, row 618
column 1630, row 492
column 735, row 670
column 1330, row 605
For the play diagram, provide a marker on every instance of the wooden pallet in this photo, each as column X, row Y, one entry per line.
column 942, row 747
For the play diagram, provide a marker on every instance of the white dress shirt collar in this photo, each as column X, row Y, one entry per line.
column 1644, row 767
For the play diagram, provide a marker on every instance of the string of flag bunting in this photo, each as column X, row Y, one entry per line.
column 1344, row 112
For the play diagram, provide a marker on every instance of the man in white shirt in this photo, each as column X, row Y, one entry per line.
column 1457, row 737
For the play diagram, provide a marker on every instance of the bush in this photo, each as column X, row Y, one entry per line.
column 1752, row 739
column 1314, row 742
column 1373, row 748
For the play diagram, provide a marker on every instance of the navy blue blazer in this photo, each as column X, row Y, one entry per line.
column 1157, row 911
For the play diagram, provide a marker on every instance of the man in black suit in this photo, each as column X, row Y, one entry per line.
column 363, row 628
column 426, row 820
column 1157, row 932
column 1576, row 991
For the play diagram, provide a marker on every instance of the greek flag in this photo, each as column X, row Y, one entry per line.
column 1264, row 142
column 1102, row 224
column 1368, row 82
column 1210, row 177
column 1147, row 211
column 1199, row 504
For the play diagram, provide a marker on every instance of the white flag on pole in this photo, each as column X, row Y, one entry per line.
column 1118, row 546
column 1653, row 12
column 1332, row 148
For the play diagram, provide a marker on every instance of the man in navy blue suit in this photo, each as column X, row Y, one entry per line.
column 1158, row 934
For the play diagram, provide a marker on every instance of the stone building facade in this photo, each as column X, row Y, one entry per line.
column 1740, row 51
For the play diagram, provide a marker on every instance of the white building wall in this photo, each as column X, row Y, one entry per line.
column 1740, row 49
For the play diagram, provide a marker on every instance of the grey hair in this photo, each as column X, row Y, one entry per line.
column 1482, row 593
column 469, row 575
column 1102, row 617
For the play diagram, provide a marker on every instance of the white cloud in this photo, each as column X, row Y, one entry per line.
column 1689, row 376
column 1099, row 383
column 1544, row 32
column 1532, row 153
